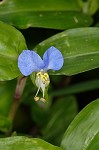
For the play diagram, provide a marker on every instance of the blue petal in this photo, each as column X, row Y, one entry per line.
column 29, row 61
column 53, row 59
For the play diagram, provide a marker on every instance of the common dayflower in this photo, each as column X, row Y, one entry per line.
column 29, row 61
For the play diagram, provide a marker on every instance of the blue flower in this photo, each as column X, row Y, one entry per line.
column 29, row 62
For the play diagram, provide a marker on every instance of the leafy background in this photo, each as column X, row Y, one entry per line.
column 70, row 118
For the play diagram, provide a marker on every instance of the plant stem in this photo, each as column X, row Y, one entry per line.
column 17, row 96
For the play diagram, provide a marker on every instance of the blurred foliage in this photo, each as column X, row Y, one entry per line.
column 73, row 28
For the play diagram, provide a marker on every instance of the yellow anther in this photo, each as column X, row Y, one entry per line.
column 42, row 76
column 39, row 74
column 47, row 82
column 36, row 98
column 43, row 99
column 43, row 79
column 45, row 75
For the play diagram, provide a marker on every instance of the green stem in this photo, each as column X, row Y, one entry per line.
column 17, row 96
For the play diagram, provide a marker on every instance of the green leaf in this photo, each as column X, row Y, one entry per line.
column 11, row 44
column 80, row 49
column 94, row 145
column 57, row 14
column 39, row 5
column 25, row 143
column 84, row 130
column 61, row 114
column 5, row 124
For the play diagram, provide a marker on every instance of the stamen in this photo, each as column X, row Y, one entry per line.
column 43, row 91
column 37, row 92
column 36, row 98
column 42, row 81
column 43, row 99
column 39, row 74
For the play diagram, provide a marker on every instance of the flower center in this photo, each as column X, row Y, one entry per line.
column 42, row 81
column 44, row 77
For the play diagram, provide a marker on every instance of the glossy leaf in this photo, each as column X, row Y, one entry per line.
column 57, row 14
column 11, row 44
column 83, row 132
column 80, row 49
column 61, row 114
column 94, row 145
column 41, row 5
column 25, row 143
